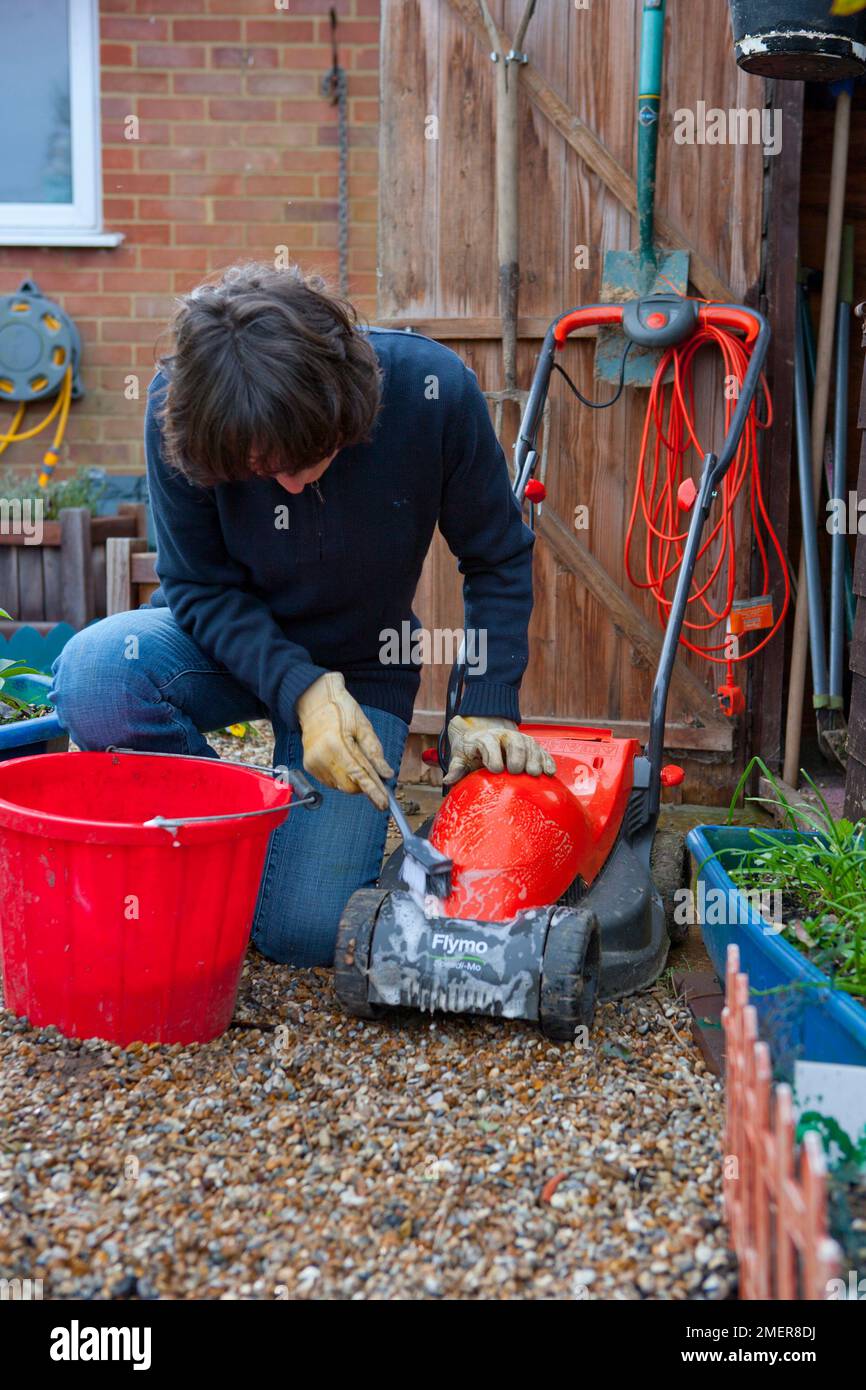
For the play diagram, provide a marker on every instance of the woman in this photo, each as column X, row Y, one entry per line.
column 298, row 464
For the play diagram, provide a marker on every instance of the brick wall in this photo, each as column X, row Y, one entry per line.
column 236, row 155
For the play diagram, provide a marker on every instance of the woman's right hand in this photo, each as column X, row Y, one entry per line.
column 341, row 747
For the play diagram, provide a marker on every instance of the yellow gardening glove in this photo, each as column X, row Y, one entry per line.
column 494, row 744
column 341, row 748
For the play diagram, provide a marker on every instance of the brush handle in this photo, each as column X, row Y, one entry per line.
column 402, row 824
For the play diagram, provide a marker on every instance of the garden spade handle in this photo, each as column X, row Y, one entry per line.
column 648, row 102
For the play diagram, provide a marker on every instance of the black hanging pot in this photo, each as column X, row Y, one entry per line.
column 798, row 39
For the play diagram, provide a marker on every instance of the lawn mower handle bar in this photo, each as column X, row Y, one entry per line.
column 657, row 321
column 680, row 318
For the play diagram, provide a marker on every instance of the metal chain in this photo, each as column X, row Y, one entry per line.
column 335, row 87
column 343, row 189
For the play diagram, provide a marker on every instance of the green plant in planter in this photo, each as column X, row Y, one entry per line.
column 11, row 707
column 84, row 489
column 820, row 869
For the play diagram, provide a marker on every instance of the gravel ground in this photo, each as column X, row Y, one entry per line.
column 307, row 1155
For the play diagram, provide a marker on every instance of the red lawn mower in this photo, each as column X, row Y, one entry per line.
column 562, row 887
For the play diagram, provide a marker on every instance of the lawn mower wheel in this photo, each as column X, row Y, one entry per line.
column 570, row 973
column 670, row 874
column 352, row 953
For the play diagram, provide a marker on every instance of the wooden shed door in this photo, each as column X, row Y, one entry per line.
column 594, row 639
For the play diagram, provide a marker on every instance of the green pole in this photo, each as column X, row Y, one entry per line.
column 648, row 103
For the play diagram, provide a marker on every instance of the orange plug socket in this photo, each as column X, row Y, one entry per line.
column 731, row 699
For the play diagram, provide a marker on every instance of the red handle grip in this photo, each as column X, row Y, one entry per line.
column 730, row 316
column 586, row 317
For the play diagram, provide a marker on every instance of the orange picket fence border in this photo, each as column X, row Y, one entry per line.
column 777, row 1217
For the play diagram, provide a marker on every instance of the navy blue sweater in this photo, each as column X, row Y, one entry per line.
column 280, row 604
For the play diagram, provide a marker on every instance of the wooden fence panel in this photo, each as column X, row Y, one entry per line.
column 776, row 1209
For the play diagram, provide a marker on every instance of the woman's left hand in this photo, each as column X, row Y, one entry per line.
column 496, row 744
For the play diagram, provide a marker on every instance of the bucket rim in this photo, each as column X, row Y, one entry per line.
column 40, row 822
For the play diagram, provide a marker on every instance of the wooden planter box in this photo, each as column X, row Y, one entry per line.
column 63, row 579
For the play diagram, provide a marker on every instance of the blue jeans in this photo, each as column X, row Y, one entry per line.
column 137, row 680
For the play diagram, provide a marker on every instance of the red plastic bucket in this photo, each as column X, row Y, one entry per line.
column 116, row 929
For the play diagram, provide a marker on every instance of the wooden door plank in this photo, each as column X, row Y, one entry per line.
column 466, row 262
column 768, row 677
column 544, row 289
column 706, row 738
column 478, row 326
column 409, row 161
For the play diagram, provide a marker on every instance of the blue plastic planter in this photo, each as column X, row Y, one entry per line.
column 804, row 1018
column 27, row 736
column 36, row 649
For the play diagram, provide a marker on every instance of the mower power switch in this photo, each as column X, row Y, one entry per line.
column 659, row 320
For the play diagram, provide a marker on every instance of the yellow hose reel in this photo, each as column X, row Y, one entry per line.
column 40, row 355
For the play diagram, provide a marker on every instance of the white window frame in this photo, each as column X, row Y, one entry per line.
column 78, row 223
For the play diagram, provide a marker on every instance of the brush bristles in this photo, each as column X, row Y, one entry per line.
column 425, row 870
column 413, row 875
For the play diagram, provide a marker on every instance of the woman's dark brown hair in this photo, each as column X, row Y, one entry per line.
column 268, row 365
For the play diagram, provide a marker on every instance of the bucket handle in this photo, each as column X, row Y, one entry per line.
column 306, row 794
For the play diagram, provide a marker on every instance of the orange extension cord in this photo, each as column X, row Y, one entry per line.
column 668, row 438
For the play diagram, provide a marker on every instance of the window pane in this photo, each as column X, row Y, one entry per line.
column 36, row 165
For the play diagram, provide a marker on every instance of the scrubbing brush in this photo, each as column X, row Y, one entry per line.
column 425, row 870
